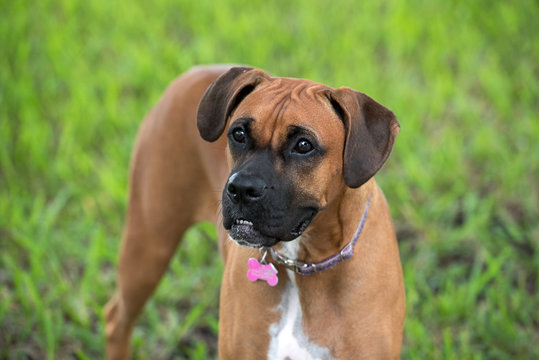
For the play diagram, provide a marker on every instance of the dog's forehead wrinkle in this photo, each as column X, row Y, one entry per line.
column 281, row 108
column 282, row 101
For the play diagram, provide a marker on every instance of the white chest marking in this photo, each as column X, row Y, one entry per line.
column 288, row 341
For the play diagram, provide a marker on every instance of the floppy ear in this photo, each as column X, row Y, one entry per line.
column 222, row 97
column 370, row 134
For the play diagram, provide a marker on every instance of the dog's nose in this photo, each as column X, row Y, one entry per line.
column 245, row 189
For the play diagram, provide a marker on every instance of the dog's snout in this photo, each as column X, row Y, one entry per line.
column 245, row 189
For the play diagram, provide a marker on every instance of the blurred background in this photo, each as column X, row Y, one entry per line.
column 77, row 77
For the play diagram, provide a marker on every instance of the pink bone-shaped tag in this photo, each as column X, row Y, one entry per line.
column 264, row 272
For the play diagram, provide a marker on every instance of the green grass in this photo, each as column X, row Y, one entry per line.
column 76, row 78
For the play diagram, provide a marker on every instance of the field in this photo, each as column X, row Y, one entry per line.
column 77, row 77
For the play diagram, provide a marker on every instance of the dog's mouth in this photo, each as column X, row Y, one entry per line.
column 245, row 233
column 303, row 224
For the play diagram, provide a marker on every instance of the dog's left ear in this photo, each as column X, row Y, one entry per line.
column 370, row 134
column 222, row 97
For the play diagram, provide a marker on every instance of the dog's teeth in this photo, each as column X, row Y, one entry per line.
column 243, row 222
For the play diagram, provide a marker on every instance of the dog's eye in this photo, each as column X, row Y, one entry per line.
column 303, row 146
column 239, row 135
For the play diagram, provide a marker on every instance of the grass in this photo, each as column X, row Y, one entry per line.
column 76, row 78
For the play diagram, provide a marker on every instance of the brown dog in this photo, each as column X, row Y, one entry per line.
column 295, row 159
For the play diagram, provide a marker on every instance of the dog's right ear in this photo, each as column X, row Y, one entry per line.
column 222, row 97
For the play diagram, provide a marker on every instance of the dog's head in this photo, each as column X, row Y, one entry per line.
column 292, row 145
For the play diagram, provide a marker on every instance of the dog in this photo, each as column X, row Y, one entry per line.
column 311, row 261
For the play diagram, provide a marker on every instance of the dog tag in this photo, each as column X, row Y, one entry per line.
column 258, row 271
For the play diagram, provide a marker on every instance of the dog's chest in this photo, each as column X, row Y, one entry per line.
column 288, row 340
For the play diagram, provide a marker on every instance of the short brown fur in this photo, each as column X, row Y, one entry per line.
column 356, row 309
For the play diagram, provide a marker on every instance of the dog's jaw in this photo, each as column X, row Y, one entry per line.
column 246, row 233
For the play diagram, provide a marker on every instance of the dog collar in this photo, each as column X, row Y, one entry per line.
column 308, row 268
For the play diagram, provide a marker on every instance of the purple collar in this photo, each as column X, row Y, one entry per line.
column 306, row 268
